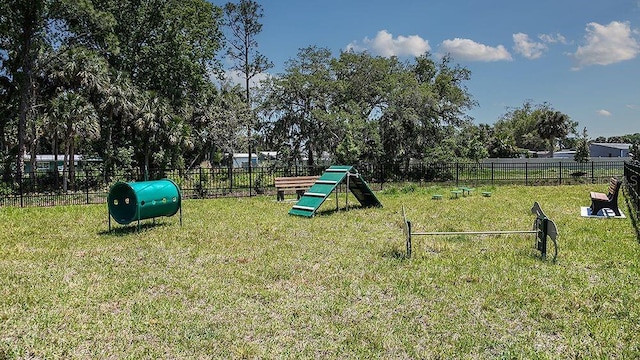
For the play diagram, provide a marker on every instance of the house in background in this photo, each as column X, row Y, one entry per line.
column 267, row 156
column 609, row 150
column 564, row 154
column 241, row 160
column 47, row 163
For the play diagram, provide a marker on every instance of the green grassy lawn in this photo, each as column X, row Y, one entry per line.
column 243, row 279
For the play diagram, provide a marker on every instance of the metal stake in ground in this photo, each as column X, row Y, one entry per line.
column 543, row 227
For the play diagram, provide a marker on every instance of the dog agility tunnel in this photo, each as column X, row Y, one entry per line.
column 135, row 201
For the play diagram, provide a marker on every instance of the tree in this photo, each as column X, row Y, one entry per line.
column 30, row 28
column 426, row 106
column 299, row 102
column 218, row 121
column 582, row 148
column 22, row 35
column 502, row 146
column 471, row 143
column 363, row 87
column 243, row 20
column 520, row 124
column 167, row 48
column 553, row 125
column 634, row 152
column 116, row 108
column 78, row 121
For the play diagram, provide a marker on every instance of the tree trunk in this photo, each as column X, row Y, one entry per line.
column 33, row 146
column 147, row 155
column 25, row 84
column 72, row 162
column 25, row 80
column 108, row 158
column 310, row 159
column 64, row 168
column 55, row 158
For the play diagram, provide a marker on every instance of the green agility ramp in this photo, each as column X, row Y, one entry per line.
column 332, row 177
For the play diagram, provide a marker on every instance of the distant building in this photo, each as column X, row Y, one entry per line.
column 267, row 156
column 564, row 154
column 47, row 163
column 241, row 160
column 609, row 150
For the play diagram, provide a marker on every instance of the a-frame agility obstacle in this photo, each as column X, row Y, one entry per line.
column 327, row 183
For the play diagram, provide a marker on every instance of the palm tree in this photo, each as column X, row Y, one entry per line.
column 552, row 125
column 79, row 121
column 116, row 108
column 77, row 76
column 151, row 124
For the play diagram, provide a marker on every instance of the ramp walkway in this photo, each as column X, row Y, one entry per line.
column 327, row 183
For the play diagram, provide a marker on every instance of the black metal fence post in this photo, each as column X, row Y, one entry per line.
column 21, row 189
column 492, row 173
column 560, row 173
column 86, row 181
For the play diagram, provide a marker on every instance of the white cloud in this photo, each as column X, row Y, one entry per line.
column 552, row 38
column 237, row 78
column 527, row 48
column 607, row 44
column 465, row 49
column 604, row 113
column 385, row 45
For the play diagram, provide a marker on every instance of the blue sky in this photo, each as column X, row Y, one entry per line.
column 583, row 57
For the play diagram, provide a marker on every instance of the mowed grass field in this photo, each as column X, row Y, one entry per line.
column 243, row 279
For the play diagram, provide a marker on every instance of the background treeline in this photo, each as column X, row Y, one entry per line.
column 141, row 84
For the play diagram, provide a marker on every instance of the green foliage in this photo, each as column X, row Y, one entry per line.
column 243, row 22
column 634, row 152
column 503, row 147
column 520, row 125
column 553, row 125
column 582, row 148
column 533, row 127
column 366, row 108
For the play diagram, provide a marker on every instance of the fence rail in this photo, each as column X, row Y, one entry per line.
column 92, row 186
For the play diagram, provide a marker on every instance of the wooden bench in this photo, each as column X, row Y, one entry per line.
column 299, row 184
column 609, row 200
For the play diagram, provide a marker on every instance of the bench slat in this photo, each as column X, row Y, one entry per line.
column 297, row 183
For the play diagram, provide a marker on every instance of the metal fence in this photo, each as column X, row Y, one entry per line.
column 92, row 186
column 632, row 189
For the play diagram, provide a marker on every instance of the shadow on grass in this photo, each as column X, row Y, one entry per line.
column 395, row 254
column 122, row 230
column 326, row 212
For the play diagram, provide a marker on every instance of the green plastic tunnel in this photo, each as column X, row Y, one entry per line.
column 143, row 200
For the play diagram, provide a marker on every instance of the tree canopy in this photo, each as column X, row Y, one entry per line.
column 138, row 85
